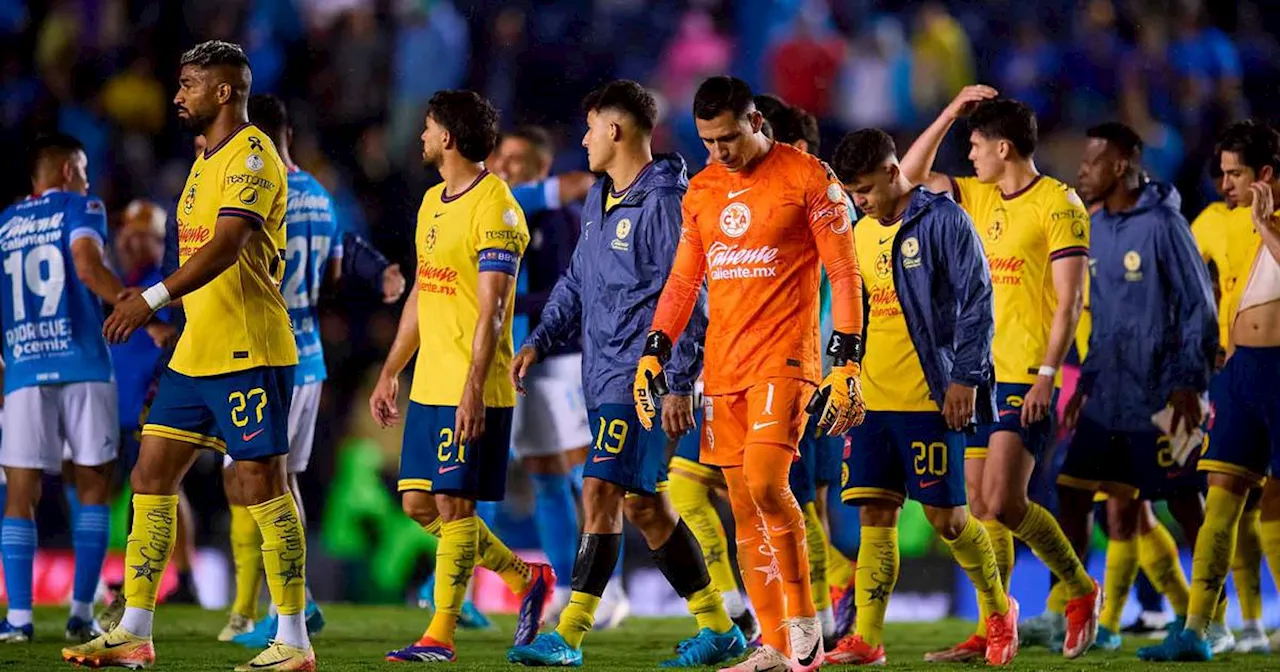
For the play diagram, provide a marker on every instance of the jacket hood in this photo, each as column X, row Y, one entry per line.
column 667, row 170
column 922, row 200
column 1154, row 195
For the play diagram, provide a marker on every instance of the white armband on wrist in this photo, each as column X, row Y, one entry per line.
column 156, row 296
column 1046, row 370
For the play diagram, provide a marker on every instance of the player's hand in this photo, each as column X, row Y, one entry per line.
column 125, row 317
column 162, row 334
column 1263, row 205
column 393, row 284
column 651, row 382
column 1186, row 409
column 383, row 404
column 468, row 420
column 838, row 400
column 968, row 97
column 957, row 407
column 528, row 356
column 1035, row 406
column 677, row 415
column 1071, row 414
column 127, row 293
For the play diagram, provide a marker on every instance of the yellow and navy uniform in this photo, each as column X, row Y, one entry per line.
column 478, row 230
column 230, row 381
column 1227, row 239
column 903, row 447
column 1023, row 234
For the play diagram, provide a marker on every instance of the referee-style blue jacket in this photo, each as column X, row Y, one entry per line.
column 610, row 291
column 944, row 286
column 1155, row 325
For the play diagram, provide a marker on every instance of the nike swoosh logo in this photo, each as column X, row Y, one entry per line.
column 265, row 665
column 761, row 425
column 601, row 458
column 1013, row 411
column 249, row 437
column 885, row 240
column 439, row 214
column 735, row 194
column 930, row 484
column 109, row 645
column 808, row 660
column 445, row 470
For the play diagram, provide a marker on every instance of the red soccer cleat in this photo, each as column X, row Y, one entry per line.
column 854, row 650
column 973, row 648
column 1002, row 635
column 1082, row 622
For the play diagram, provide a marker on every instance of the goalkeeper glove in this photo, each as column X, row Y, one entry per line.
column 651, row 381
column 838, row 400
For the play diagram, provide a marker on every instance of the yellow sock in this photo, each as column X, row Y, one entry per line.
column 578, row 617
column 816, row 540
column 692, row 501
column 1041, row 533
column 1215, row 545
column 455, row 561
column 1057, row 601
column 246, row 553
column 284, row 553
column 1122, row 569
column 1220, row 610
column 1269, row 536
column 1158, row 556
column 707, row 608
column 151, row 540
column 491, row 554
column 973, row 552
column 839, row 568
column 1002, row 544
column 1246, row 567
column 877, row 574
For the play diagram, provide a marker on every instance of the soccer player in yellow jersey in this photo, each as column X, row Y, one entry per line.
column 470, row 237
column 229, row 384
column 1036, row 234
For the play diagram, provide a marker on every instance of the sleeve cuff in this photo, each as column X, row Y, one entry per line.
column 91, row 234
column 254, row 218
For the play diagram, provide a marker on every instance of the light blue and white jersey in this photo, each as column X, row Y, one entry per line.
column 52, row 321
column 314, row 240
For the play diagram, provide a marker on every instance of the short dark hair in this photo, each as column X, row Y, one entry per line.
column 722, row 94
column 1125, row 140
column 215, row 52
column 1256, row 143
column 469, row 118
column 1007, row 119
column 861, row 153
column 269, row 113
column 626, row 96
column 782, row 118
column 809, row 130
column 52, row 146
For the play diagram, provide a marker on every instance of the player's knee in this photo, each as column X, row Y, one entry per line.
column 22, row 493
column 93, row 484
column 602, row 506
column 649, row 514
column 455, row 508
column 546, row 464
column 879, row 514
column 978, row 506
column 1122, row 518
column 949, row 522
column 1269, row 504
column 420, row 507
column 767, row 494
column 261, row 480
column 1005, row 504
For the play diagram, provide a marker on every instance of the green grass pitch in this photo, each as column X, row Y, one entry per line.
column 357, row 637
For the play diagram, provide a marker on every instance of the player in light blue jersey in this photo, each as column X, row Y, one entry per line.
column 58, row 385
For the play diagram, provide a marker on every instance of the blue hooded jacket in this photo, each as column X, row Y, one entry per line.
column 1155, row 325
column 610, row 291
column 943, row 282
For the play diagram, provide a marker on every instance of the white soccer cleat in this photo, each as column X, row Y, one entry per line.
column 614, row 608
column 1221, row 639
column 236, row 625
column 807, row 653
column 763, row 659
column 1252, row 639
column 559, row 600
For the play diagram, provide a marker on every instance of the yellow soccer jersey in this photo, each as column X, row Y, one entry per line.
column 1023, row 234
column 1226, row 237
column 239, row 319
column 892, row 379
column 480, row 229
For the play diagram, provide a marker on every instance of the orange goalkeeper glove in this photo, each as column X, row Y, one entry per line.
column 651, row 381
column 838, row 400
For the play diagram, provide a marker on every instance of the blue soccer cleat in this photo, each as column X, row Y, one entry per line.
column 315, row 619
column 1181, row 646
column 265, row 629
column 1108, row 640
column 13, row 634
column 425, row 650
column 80, row 630
column 548, row 650
column 470, row 619
column 709, row 648
column 541, row 585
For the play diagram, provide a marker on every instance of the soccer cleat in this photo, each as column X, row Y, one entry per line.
column 470, row 619
column 1149, row 624
column 15, row 634
column 236, row 625
column 1108, row 639
column 425, row 650
column 541, row 583
column 846, row 610
column 613, row 609
column 118, row 648
column 1220, row 638
column 1253, row 639
column 1183, row 646
column 807, row 652
column 854, row 650
column 709, row 647
column 315, row 619
column 747, row 623
column 763, row 659
column 281, row 656
column 1041, row 630
column 1275, row 640
column 974, row 648
column 546, row 650
column 1082, row 622
column 80, row 630
column 1002, row 635
column 260, row 636
column 110, row 617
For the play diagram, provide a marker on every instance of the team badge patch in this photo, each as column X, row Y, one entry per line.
column 510, row 218
column 735, row 219
column 254, row 162
column 248, row 195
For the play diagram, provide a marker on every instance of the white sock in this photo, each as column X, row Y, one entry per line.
column 1253, row 627
column 82, row 610
column 137, row 621
column 271, row 610
column 733, row 603
column 292, row 630
column 828, row 620
column 19, row 617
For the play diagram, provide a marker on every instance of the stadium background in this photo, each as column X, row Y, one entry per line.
column 357, row 75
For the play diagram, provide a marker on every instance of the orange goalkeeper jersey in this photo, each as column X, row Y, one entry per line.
column 758, row 236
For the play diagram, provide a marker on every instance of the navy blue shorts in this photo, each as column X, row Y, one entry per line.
column 1036, row 438
column 432, row 461
column 1128, row 465
column 243, row 414
column 1244, row 425
column 830, row 459
column 896, row 454
column 624, row 453
column 690, row 446
column 819, row 462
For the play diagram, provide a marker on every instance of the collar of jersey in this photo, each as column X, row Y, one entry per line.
column 209, row 152
column 444, row 198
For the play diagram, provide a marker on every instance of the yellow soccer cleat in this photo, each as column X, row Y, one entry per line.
column 118, row 648
column 281, row 656
column 236, row 625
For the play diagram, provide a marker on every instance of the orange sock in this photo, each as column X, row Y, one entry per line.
column 758, row 563
column 768, row 473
